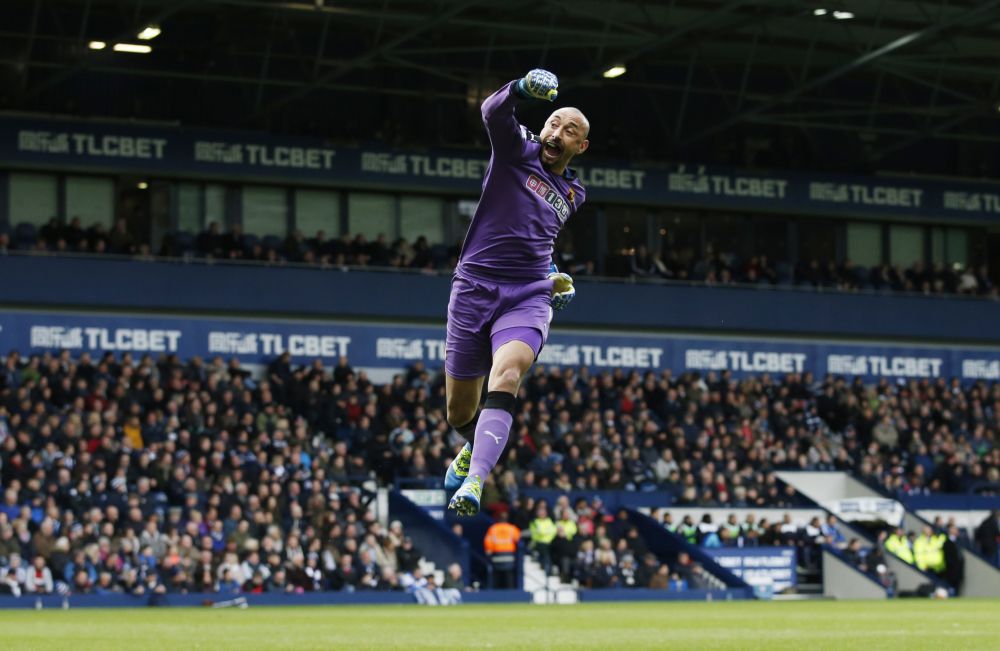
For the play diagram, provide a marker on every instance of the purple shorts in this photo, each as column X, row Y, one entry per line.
column 484, row 315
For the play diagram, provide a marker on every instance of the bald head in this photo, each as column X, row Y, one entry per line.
column 574, row 114
column 563, row 137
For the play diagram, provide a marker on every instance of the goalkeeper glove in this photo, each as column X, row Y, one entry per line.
column 538, row 84
column 562, row 288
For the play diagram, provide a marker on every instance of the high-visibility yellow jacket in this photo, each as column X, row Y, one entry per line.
column 922, row 552
column 900, row 546
column 543, row 531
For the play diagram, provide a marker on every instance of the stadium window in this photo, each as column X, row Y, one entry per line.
column 371, row 214
column 317, row 210
column 91, row 198
column 864, row 244
column 906, row 244
column 727, row 236
column 578, row 242
column 265, row 211
column 956, row 246
column 189, row 208
column 680, row 238
column 627, row 229
column 817, row 240
column 215, row 205
column 421, row 216
column 770, row 238
column 32, row 198
column 949, row 245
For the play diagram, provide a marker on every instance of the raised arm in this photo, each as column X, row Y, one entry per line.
column 507, row 135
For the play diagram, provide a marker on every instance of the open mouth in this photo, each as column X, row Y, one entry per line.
column 551, row 151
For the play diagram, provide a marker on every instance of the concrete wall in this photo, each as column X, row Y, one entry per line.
column 843, row 581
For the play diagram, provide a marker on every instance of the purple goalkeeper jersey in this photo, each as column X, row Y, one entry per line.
column 523, row 205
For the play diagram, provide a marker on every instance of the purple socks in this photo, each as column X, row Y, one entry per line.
column 492, row 432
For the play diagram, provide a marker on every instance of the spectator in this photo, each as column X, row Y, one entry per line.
column 543, row 532
column 119, row 240
column 38, row 579
column 500, row 546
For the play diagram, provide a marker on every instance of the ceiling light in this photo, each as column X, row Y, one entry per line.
column 142, row 185
column 819, row 12
column 616, row 70
column 843, row 15
column 133, row 48
column 97, row 45
column 149, row 33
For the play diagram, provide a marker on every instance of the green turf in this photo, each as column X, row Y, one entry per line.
column 908, row 625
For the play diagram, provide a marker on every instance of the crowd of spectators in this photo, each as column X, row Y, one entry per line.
column 584, row 544
column 165, row 474
column 330, row 252
column 714, row 268
column 712, row 440
column 722, row 269
column 153, row 477
column 214, row 244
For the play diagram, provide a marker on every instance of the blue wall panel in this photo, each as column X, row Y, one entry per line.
column 222, row 288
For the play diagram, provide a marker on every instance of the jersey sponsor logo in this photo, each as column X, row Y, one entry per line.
column 551, row 197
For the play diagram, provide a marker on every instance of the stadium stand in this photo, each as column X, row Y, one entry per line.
column 712, row 268
column 129, row 474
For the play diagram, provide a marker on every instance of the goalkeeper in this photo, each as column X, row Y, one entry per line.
column 506, row 286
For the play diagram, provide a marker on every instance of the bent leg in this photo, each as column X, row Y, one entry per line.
column 462, row 397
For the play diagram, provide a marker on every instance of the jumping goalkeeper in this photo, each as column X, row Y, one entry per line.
column 506, row 286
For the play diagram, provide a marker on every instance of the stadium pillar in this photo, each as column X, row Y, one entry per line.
column 234, row 206
column 61, row 198
column 345, row 223
column 291, row 225
column 792, row 237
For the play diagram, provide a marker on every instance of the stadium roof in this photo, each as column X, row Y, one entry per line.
column 857, row 85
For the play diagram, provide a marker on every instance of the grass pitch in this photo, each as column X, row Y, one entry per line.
column 912, row 625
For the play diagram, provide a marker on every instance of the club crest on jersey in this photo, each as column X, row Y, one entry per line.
column 551, row 197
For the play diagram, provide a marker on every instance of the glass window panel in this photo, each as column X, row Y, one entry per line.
column 576, row 247
column 627, row 230
column 937, row 245
column 90, row 198
column 33, row 199
column 817, row 241
column 680, row 241
column 265, row 211
column 421, row 216
column 864, row 244
column 906, row 245
column 317, row 210
column 726, row 236
column 957, row 246
column 371, row 214
column 770, row 238
column 215, row 206
column 189, row 207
